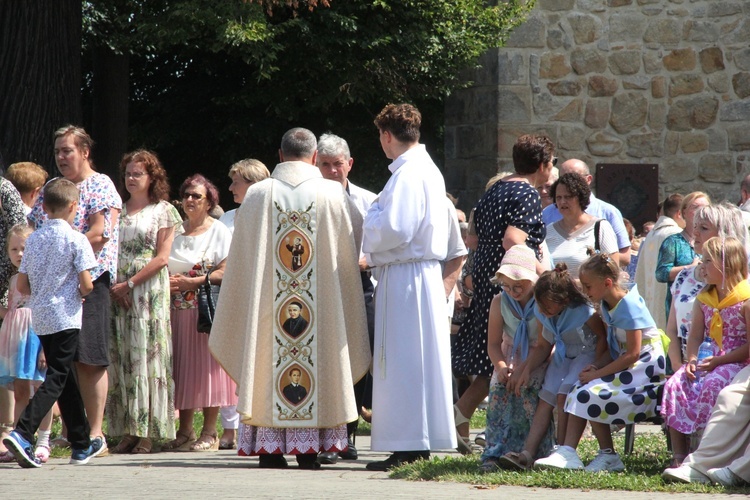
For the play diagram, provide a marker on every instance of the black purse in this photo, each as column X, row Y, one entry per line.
column 208, row 297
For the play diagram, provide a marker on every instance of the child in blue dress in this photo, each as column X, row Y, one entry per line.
column 575, row 330
column 22, row 362
column 621, row 386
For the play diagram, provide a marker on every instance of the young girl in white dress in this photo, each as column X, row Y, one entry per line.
column 621, row 386
column 22, row 363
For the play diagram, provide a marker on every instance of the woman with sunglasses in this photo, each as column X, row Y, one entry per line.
column 200, row 247
column 141, row 395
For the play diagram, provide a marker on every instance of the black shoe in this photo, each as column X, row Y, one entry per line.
column 398, row 458
column 350, row 453
column 307, row 461
column 272, row 462
column 328, row 457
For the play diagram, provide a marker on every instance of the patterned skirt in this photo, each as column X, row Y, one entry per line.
column 269, row 440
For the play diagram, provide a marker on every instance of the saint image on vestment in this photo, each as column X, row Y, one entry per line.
column 296, row 323
column 295, row 392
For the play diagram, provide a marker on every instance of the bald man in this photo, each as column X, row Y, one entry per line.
column 597, row 208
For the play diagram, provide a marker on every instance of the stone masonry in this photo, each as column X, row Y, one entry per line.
column 613, row 81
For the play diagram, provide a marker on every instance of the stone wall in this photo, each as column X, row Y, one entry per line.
column 613, row 81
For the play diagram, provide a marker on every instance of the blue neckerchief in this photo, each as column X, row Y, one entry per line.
column 526, row 314
column 570, row 318
column 630, row 313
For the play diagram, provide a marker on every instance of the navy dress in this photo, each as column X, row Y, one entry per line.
column 505, row 204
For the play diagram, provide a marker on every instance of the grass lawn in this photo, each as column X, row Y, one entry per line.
column 643, row 470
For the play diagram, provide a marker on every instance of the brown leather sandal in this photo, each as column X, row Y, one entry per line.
column 181, row 443
column 143, row 447
column 125, row 445
column 516, row 461
column 207, row 442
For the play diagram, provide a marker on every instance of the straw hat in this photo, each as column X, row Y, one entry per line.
column 519, row 263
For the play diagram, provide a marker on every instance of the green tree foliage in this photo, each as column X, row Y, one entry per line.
column 214, row 81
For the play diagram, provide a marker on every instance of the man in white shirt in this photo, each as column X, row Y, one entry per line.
column 335, row 162
column 653, row 292
column 597, row 208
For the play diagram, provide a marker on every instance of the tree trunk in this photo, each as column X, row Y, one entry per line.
column 109, row 123
column 40, row 87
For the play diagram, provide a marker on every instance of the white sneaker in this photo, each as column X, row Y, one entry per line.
column 684, row 474
column 605, row 462
column 564, row 457
column 724, row 477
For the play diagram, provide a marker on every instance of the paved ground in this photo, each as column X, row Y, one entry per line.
column 225, row 475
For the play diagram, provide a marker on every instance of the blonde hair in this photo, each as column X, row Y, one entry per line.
column 250, row 169
column 26, row 176
column 730, row 256
column 20, row 230
column 600, row 265
column 689, row 199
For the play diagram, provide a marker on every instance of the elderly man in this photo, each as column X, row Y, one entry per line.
column 335, row 162
column 597, row 208
column 406, row 235
column 260, row 283
column 653, row 292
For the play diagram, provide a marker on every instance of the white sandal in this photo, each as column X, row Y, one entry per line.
column 464, row 447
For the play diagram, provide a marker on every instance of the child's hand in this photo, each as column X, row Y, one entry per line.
column 503, row 373
column 41, row 362
column 690, row 370
column 516, row 383
column 588, row 374
column 709, row 364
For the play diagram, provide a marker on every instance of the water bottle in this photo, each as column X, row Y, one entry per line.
column 706, row 349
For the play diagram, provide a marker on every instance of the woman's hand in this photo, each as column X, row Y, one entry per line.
column 182, row 283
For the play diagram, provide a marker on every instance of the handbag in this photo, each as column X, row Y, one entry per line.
column 208, row 297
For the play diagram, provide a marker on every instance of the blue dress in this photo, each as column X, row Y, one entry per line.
column 674, row 251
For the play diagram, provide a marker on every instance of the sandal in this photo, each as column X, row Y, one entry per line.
column 7, row 457
column 227, row 445
column 516, row 461
column 464, row 447
column 181, row 443
column 489, row 465
column 142, row 447
column 207, row 442
column 125, row 445
column 42, row 453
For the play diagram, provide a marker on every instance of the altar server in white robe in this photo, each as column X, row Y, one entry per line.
column 405, row 238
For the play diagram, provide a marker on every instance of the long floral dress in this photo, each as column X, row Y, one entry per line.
column 686, row 405
column 141, row 396
column 11, row 213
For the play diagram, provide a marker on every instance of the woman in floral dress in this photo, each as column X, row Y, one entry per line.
column 141, row 395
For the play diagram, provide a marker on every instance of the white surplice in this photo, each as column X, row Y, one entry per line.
column 406, row 233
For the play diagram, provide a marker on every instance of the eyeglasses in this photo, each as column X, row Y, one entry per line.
column 193, row 196
column 554, row 161
column 135, row 175
column 514, row 288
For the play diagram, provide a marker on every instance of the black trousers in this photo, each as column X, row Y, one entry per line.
column 59, row 385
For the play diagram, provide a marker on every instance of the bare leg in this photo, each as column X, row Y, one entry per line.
column 93, row 384
column 22, row 394
column 680, row 446
column 6, row 415
column 186, row 422
column 603, row 433
column 542, row 417
column 470, row 399
column 562, row 419
column 576, row 426
column 210, row 417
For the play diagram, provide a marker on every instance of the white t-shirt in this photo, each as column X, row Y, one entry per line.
column 571, row 248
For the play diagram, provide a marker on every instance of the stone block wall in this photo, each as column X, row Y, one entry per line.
column 613, row 81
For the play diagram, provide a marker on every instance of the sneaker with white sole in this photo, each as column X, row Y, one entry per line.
column 724, row 477
column 684, row 474
column 564, row 457
column 605, row 462
column 22, row 450
column 82, row 456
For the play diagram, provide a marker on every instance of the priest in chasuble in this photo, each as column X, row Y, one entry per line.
column 320, row 281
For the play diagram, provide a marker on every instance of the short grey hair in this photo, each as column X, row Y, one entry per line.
column 727, row 219
column 298, row 143
column 333, row 145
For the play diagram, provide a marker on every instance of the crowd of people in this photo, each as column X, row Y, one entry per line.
column 332, row 304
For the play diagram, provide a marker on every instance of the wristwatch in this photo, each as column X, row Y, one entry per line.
column 131, row 285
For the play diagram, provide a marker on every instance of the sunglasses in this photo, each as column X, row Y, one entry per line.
column 193, row 196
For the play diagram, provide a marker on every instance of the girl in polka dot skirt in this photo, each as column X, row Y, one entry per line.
column 620, row 387
column 572, row 326
column 721, row 311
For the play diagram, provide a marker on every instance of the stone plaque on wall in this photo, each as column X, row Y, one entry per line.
column 631, row 187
